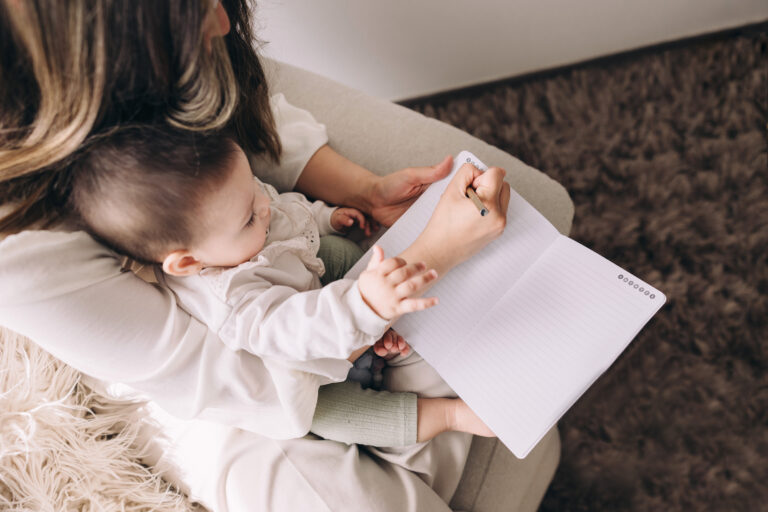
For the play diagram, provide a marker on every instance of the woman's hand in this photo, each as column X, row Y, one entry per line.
column 456, row 229
column 391, row 195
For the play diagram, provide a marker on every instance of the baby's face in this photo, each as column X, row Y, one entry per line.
column 234, row 220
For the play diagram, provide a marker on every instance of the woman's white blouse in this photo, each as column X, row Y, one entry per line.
column 68, row 293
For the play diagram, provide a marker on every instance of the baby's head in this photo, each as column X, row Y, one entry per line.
column 183, row 199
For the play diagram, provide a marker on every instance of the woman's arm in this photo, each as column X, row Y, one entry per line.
column 309, row 165
column 68, row 294
column 337, row 180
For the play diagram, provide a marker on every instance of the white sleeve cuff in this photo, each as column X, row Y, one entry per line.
column 367, row 320
column 323, row 219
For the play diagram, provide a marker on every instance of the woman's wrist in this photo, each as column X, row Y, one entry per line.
column 421, row 250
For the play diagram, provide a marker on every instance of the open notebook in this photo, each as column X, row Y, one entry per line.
column 527, row 325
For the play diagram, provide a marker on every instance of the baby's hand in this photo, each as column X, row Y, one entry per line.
column 342, row 219
column 391, row 287
column 391, row 345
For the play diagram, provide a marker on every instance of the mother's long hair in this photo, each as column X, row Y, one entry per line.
column 75, row 69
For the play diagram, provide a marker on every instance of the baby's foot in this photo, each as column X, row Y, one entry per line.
column 465, row 420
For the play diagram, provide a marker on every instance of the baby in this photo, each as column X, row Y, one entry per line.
column 244, row 259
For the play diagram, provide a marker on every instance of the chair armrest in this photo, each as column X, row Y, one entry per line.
column 385, row 137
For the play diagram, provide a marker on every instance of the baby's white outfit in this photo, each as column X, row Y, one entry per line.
column 274, row 306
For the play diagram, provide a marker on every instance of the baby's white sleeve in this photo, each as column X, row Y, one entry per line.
column 322, row 215
column 300, row 136
column 253, row 311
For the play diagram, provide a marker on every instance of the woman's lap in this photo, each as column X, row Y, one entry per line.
column 231, row 470
column 228, row 469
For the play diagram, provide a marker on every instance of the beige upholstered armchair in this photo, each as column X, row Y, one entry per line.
column 385, row 137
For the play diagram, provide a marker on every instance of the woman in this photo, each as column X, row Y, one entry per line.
column 75, row 70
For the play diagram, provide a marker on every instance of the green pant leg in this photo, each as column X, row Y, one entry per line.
column 339, row 255
column 348, row 413
column 345, row 411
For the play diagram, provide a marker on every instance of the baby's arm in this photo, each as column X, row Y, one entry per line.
column 253, row 310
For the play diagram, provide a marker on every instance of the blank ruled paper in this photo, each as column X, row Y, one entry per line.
column 527, row 325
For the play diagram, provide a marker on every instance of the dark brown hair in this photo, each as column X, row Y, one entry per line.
column 140, row 190
column 77, row 69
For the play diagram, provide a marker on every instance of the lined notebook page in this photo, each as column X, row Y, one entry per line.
column 471, row 288
column 525, row 326
column 545, row 342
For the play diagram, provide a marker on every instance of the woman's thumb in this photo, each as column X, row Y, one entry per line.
column 442, row 169
column 376, row 258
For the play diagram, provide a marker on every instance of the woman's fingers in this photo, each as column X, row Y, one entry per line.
column 464, row 177
column 427, row 175
column 488, row 186
column 504, row 198
column 494, row 192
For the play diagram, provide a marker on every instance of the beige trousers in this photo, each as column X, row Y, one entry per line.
column 228, row 469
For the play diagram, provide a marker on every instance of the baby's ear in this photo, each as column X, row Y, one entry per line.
column 181, row 263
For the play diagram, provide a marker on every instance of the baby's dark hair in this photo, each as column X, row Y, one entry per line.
column 140, row 189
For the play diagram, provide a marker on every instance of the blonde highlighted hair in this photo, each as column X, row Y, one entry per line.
column 75, row 69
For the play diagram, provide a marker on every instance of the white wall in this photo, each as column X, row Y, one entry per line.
column 401, row 49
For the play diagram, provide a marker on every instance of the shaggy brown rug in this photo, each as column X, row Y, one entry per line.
column 664, row 153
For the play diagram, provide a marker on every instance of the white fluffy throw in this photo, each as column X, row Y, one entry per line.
column 63, row 446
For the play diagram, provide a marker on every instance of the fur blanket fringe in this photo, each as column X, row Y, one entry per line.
column 65, row 447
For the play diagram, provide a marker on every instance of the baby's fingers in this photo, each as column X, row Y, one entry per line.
column 403, row 273
column 379, row 350
column 390, row 264
column 402, row 346
column 355, row 215
column 387, row 340
column 418, row 304
column 376, row 258
column 413, row 285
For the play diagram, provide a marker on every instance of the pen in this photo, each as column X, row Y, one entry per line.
column 480, row 206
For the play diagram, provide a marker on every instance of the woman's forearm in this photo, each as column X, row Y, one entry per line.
column 337, row 180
